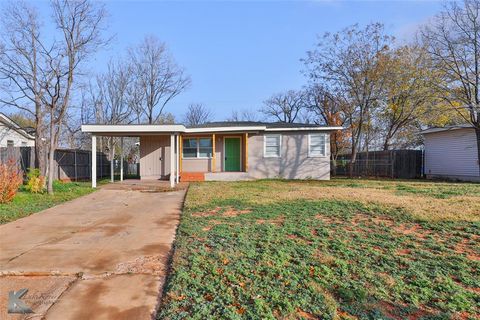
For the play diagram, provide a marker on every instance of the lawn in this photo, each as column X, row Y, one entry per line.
column 340, row 249
column 26, row 203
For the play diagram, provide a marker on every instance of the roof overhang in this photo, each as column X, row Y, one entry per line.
column 225, row 129
column 132, row 129
column 306, row 129
column 154, row 129
column 450, row 128
column 12, row 125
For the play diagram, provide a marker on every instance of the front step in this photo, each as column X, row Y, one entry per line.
column 192, row 176
column 227, row 176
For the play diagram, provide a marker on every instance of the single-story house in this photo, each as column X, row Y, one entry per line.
column 452, row 153
column 225, row 150
column 13, row 135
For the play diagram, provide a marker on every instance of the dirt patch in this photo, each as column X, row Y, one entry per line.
column 221, row 211
column 464, row 248
column 412, row 230
column 230, row 212
column 277, row 221
column 305, row 315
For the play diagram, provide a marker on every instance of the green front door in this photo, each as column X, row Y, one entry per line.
column 232, row 154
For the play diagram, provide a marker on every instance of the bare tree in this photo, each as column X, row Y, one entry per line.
column 196, row 114
column 23, row 69
column 285, row 107
column 453, row 41
column 157, row 76
column 109, row 97
column 328, row 109
column 348, row 63
column 243, row 115
column 80, row 25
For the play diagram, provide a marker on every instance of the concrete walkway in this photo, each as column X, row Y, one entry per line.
column 102, row 256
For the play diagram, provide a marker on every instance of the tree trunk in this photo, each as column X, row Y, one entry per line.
column 51, row 166
column 51, row 156
column 353, row 158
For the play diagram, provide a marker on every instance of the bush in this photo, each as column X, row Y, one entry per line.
column 35, row 181
column 10, row 180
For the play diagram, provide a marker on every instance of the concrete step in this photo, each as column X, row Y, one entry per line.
column 227, row 176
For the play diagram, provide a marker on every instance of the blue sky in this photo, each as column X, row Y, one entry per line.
column 240, row 53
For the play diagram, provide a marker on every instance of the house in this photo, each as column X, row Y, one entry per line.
column 12, row 135
column 452, row 153
column 226, row 150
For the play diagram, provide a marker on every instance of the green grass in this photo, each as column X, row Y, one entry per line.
column 240, row 258
column 26, row 203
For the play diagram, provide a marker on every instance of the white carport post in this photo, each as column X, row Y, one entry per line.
column 94, row 161
column 121, row 159
column 112, row 163
column 172, row 160
column 177, row 155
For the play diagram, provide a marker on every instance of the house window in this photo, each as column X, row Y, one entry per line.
column 197, row 148
column 317, row 145
column 273, row 145
column 9, row 143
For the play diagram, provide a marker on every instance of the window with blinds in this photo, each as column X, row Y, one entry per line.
column 273, row 144
column 317, row 145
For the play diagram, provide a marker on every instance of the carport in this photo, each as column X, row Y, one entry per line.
column 160, row 131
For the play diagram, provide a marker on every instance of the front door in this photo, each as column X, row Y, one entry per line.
column 232, row 154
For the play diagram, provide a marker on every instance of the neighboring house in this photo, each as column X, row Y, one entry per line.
column 12, row 135
column 227, row 150
column 451, row 152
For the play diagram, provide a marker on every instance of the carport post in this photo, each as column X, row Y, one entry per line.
column 112, row 163
column 121, row 159
column 177, row 155
column 94, row 161
column 172, row 161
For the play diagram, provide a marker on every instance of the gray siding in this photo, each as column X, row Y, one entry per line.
column 294, row 162
column 451, row 154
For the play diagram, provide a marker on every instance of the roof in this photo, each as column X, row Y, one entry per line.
column 268, row 125
column 447, row 128
column 227, row 126
column 14, row 126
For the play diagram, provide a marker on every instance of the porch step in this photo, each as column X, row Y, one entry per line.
column 227, row 176
column 192, row 176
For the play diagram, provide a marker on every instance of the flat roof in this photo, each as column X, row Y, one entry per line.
column 212, row 127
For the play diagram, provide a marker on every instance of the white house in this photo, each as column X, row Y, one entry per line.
column 11, row 134
column 451, row 152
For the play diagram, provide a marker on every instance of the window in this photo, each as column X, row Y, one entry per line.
column 190, row 147
column 9, row 143
column 317, row 145
column 197, row 148
column 273, row 143
column 204, row 148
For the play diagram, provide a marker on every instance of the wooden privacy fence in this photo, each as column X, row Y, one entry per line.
column 70, row 164
column 402, row 164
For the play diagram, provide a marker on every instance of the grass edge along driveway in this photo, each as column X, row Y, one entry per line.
column 26, row 203
column 248, row 250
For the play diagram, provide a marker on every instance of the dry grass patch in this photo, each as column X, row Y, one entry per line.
column 459, row 202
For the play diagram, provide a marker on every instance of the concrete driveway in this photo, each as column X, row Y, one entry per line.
column 102, row 256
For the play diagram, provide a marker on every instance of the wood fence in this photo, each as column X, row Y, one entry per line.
column 70, row 164
column 402, row 164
